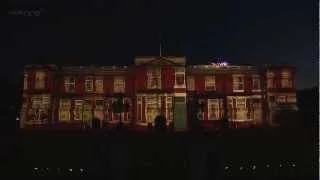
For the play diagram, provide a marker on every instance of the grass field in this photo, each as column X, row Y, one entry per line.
column 232, row 154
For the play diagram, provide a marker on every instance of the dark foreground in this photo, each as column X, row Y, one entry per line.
column 251, row 154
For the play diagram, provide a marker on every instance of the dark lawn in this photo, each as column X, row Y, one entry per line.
column 178, row 155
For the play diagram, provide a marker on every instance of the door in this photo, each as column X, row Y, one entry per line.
column 179, row 116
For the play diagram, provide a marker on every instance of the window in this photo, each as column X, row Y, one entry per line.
column 270, row 80
column 46, row 101
column 281, row 99
column 65, row 104
column 69, row 84
column 99, row 85
column 190, row 83
column 127, row 115
column 256, row 83
column 64, row 110
column 169, row 109
column 179, row 78
column 36, row 102
column 210, row 83
column 40, row 80
column 213, row 109
column 292, row 99
column 64, row 115
column 154, row 78
column 139, row 110
column 87, row 110
column 272, row 98
column 88, row 84
column 99, row 104
column 238, row 83
column 241, row 109
column 78, row 110
column 286, row 79
column 119, row 85
column 25, row 81
column 153, row 105
column 115, row 116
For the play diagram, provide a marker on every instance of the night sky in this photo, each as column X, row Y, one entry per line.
column 102, row 32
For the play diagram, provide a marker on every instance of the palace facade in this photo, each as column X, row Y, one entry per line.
column 70, row 97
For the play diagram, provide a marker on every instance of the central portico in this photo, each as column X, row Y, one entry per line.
column 161, row 90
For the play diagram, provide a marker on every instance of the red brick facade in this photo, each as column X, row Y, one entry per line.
column 72, row 96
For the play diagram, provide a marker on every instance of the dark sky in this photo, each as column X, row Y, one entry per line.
column 104, row 33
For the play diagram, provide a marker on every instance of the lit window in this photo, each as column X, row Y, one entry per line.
column 153, row 105
column 99, row 104
column 210, row 83
column 154, row 78
column 179, row 78
column 78, row 110
column 87, row 110
column 119, row 85
column 46, row 101
column 270, row 80
column 213, row 109
column 69, row 84
column 169, row 109
column 139, row 110
column 36, row 102
column 241, row 109
column 286, row 81
column 292, row 99
column 40, row 80
column 256, row 83
column 99, row 85
column 238, row 83
column 190, row 83
column 281, row 99
column 64, row 110
column 88, row 85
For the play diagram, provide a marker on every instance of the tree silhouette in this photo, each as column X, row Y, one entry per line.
column 287, row 117
column 119, row 107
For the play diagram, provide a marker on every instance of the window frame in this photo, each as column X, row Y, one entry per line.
column 40, row 80
column 117, row 86
column 257, row 78
column 235, row 83
column 191, row 83
column 210, row 80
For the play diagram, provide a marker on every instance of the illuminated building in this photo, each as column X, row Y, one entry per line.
column 70, row 97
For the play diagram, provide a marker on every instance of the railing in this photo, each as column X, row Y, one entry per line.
column 210, row 67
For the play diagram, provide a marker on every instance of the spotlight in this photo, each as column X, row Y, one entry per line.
column 226, row 168
column 241, row 168
column 280, row 165
column 293, row 165
column 268, row 165
column 35, row 168
column 70, row 170
column 254, row 167
column 81, row 170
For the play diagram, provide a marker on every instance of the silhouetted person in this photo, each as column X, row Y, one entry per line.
column 149, row 126
column 119, row 126
column 95, row 123
column 171, row 127
column 160, row 124
column 225, row 122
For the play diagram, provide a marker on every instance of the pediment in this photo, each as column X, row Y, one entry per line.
column 160, row 61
